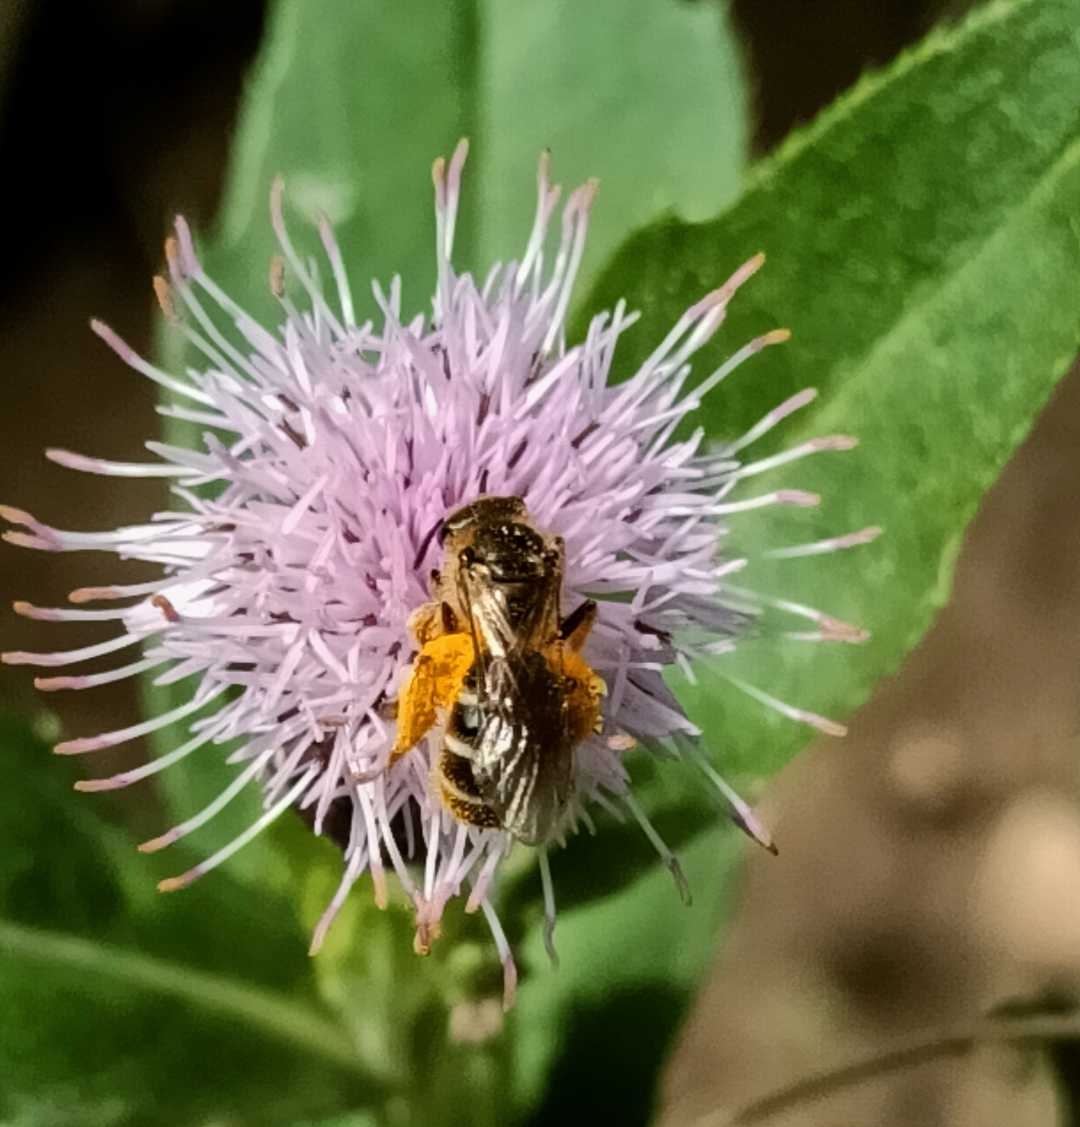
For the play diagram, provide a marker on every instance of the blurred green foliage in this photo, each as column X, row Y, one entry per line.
column 923, row 246
column 352, row 100
column 121, row 1006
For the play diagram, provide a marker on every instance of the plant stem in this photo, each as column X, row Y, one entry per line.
column 906, row 1053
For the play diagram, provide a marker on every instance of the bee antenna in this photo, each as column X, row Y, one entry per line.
column 438, row 529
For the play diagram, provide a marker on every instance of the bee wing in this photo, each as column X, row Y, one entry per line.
column 523, row 757
column 468, row 605
column 493, row 632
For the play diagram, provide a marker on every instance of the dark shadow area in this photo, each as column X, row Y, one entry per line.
column 601, row 1078
column 115, row 114
column 102, row 98
column 803, row 55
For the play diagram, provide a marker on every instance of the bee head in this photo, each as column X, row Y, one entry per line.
column 484, row 511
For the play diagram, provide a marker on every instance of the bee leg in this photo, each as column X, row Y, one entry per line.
column 584, row 692
column 427, row 622
column 575, row 627
column 423, row 623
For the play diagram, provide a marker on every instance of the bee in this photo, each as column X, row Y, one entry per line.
column 502, row 670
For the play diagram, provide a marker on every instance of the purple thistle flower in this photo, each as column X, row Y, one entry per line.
column 336, row 449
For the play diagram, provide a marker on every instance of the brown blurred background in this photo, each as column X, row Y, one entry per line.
column 931, row 864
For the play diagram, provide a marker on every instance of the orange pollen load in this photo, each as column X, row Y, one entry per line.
column 585, row 691
column 433, row 684
column 436, row 677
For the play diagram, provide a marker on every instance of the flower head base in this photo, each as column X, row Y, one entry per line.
column 336, row 450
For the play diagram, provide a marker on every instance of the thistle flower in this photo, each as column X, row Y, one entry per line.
column 334, row 448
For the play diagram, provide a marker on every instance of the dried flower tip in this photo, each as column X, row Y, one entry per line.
column 277, row 276
column 164, row 294
column 167, row 609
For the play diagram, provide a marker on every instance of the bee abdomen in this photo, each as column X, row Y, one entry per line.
column 459, row 793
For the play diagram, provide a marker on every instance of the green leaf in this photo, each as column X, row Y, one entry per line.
column 924, row 247
column 351, row 100
column 123, row 1007
column 646, row 96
